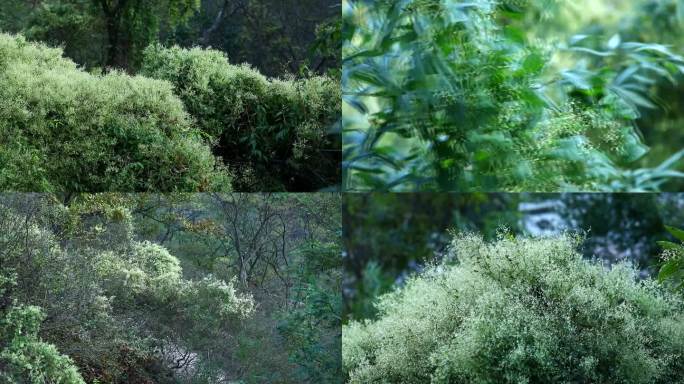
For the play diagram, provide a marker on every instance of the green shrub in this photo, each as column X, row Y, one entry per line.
column 312, row 329
column 26, row 359
column 520, row 311
column 277, row 129
column 108, row 305
column 64, row 129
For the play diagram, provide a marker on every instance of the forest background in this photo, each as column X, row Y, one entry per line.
column 99, row 34
column 146, row 288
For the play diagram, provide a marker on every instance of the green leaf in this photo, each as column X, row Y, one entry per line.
column 634, row 98
column 533, row 63
column 676, row 232
column 593, row 51
column 633, row 147
column 357, row 104
column 667, row 270
column 576, row 80
column 672, row 160
column 626, row 74
column 577, row 38
column 671, row 246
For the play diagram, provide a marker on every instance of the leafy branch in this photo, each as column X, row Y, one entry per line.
column 672, row 267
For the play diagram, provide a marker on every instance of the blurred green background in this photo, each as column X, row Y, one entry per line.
column 379, row 155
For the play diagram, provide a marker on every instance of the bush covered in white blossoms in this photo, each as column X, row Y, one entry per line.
column 520, row 311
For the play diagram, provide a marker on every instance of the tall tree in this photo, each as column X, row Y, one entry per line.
column 117, row 30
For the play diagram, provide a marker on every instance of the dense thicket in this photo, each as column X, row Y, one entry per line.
column 24, row 357
column 169, row 289
column 286, row 249
column 63, row 129
column 520, row 310
column 132, row 134
column 478, row 96
column 313, row 332
column 97, row 285
column 276, row 134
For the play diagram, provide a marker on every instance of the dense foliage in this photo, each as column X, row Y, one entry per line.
column 150, row 289
column 389, row 236
column 98, row 288
column 661, row 21
column 672, row 269
column 271, row 131
column 275, row 36
column 286, row 249
column 313, row 331
column 81, row 124
column 63, row 129
column 469, row 96
column 24, row 356
column 119, row 30
column 114, row 33
column 520, row 310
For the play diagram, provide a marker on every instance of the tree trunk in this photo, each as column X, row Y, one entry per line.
column 113, row 41
column 223, row 12
column 243, row 272
column 112, row 14
column 206, row 34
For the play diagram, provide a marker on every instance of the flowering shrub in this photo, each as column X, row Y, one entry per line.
column 62, row 128
column 520, row 311
column 22, row 354
column 279, row 128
